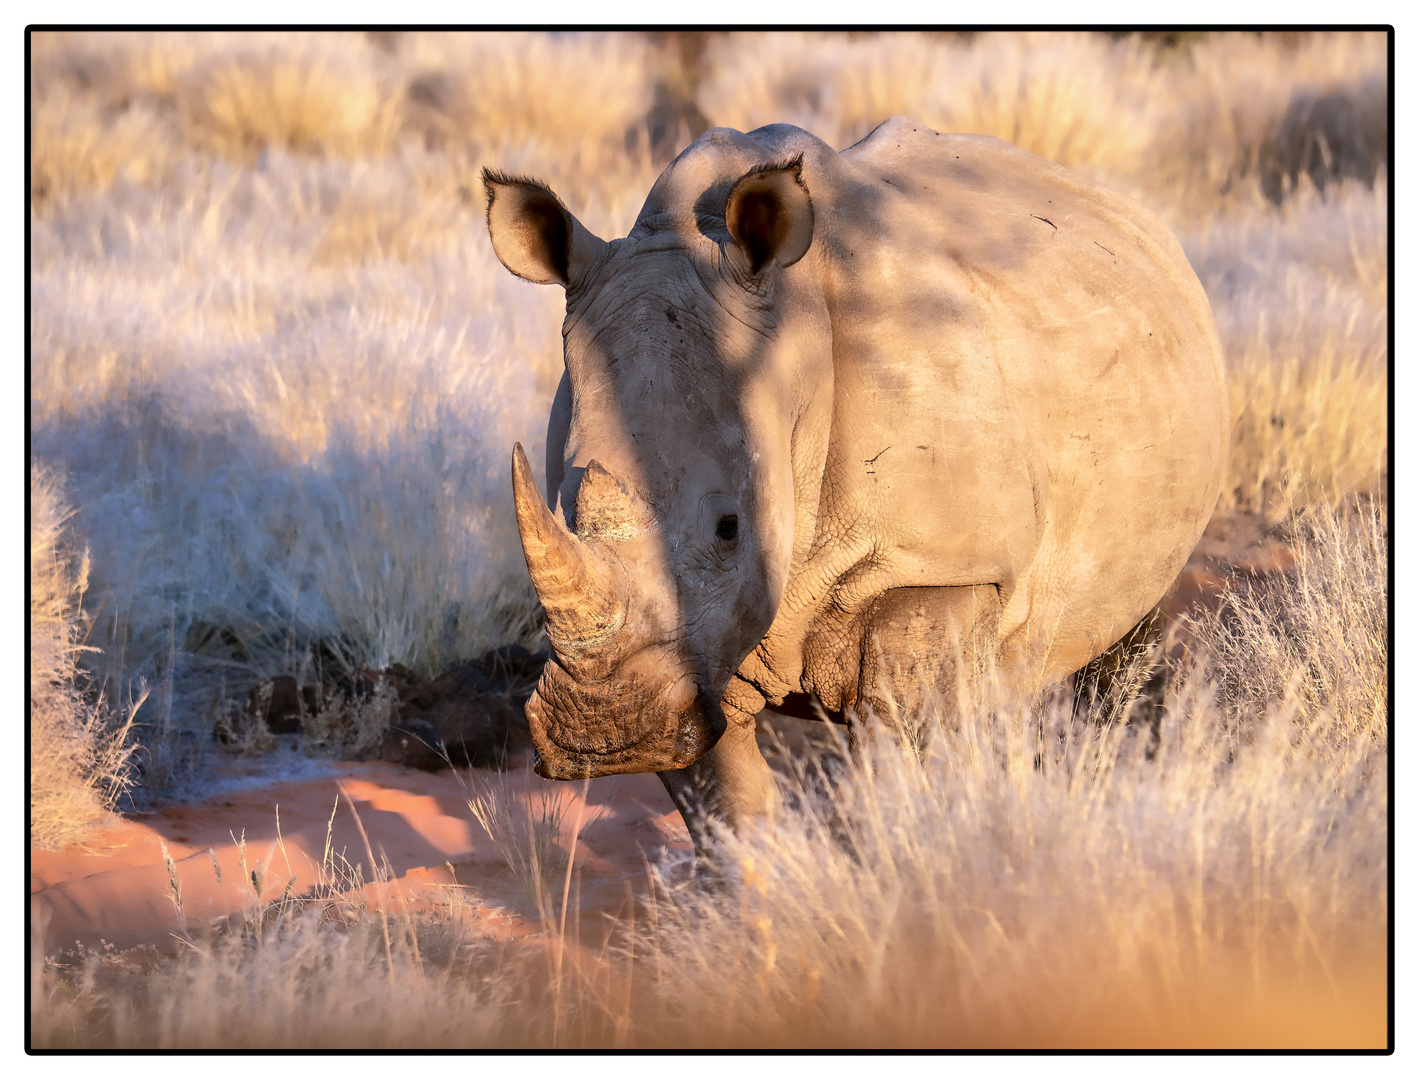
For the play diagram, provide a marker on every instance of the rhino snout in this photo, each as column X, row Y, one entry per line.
column 621, row 725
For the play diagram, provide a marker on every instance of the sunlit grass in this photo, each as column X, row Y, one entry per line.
column 1015, row 875
column 79, row 748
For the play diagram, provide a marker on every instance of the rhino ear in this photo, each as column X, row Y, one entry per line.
column 770, row 215
column 533, row 234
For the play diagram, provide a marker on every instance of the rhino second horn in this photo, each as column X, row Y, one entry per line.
column 584, row 596
column 606, row 508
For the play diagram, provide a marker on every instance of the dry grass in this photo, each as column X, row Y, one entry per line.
column 272, row 349
column 343, row 963
column 79, row 751
column 1316, row 642
column 528, row 835
column 318, row 102
column 1103, row 106
column 1014, row 876
column 1300, row 293
column 1078, row 99
column 282, row 347
column 1035, row 879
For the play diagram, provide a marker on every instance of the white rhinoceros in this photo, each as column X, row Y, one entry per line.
column 823, row 413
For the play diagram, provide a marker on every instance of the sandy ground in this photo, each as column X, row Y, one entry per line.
column 115, row 888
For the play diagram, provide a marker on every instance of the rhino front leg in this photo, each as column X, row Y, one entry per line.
column 958, row 622
column 731, row 782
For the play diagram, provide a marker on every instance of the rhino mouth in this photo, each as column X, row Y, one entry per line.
column 621, row 726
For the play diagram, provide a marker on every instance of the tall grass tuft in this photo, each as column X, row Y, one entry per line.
column 79, row 750
column 1315, row 640
column 1036, row 878
column 1300, row 294
column 527, row 833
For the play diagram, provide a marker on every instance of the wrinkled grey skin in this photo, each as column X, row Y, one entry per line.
column 950, row 391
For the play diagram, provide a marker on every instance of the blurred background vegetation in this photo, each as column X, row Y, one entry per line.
column 276, row 369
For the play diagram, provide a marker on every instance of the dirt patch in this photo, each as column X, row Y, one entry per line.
column 1235, row 546
column 115, row 888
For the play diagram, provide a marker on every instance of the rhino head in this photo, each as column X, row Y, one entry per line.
column 662, row 549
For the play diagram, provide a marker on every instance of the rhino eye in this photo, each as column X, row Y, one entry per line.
column 728, row 527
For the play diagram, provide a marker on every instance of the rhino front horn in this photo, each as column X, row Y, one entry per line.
column 583, row 594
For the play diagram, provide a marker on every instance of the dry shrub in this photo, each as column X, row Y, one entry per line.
column 74, row 147
column 79, row 752
column 1300, row 295
column 352, row 726
column 318, row 101
column 1243, row 109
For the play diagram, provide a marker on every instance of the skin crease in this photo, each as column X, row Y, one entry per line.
column 966, row 397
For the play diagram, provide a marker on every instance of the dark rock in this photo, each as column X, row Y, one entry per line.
column 513, row 670
column 480, row 729
column 415, row 743
column 465, row 679
column 417, row 695
column 287, row 702
column 409, row 686
column 474, row 708
column 283, row 709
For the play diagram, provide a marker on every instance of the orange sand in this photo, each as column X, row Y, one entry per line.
column 114, row 887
